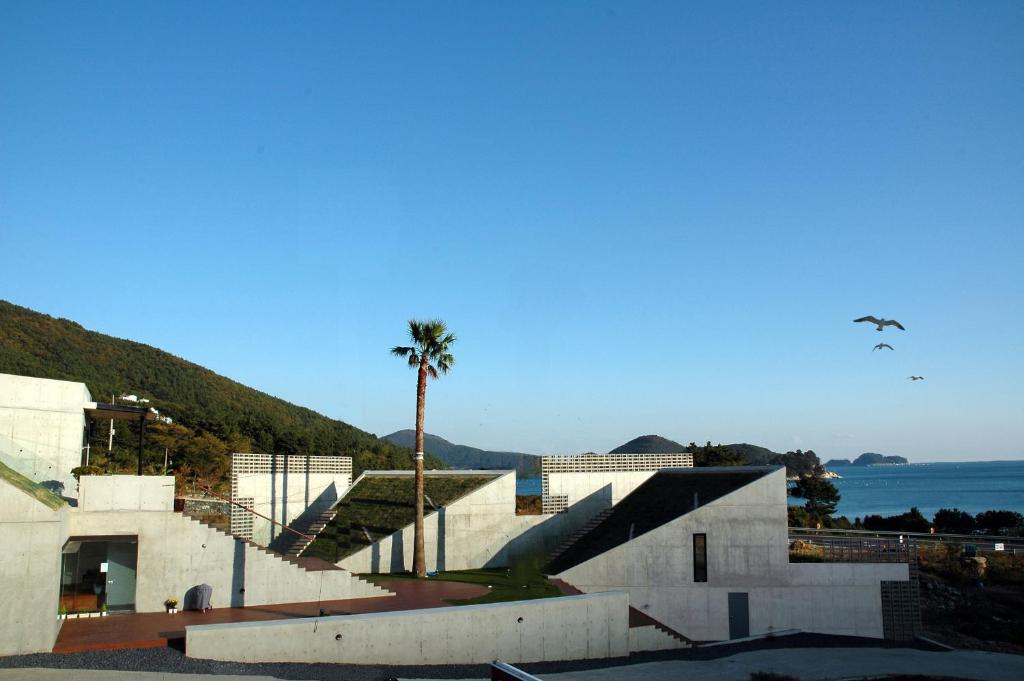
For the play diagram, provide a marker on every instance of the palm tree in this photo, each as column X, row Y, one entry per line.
column 430, row 354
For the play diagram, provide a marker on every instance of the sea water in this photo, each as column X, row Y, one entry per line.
column 970, row 486
column 890, row 490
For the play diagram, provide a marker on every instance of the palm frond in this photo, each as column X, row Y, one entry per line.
column 445, row 363
column 432, row 341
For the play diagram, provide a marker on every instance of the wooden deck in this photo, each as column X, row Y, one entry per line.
column 154, row 630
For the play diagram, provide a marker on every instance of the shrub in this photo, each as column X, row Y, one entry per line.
column 1004, row 568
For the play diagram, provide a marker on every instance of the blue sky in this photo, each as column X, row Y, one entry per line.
column 638, row 217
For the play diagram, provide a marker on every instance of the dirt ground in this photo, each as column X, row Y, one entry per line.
column 973, row 617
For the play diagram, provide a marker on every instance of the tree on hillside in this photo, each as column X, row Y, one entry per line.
column 431, row 355
column 715, row 455
column 798, row 463
column 820, row 496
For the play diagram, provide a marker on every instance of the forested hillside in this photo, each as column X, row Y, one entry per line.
column 213, row 415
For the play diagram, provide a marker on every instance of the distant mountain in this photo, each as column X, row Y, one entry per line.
column 796, row 463
column 649, row 444
column 465, row 457
column 869, row 459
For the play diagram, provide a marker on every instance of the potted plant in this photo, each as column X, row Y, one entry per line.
column 172, row 605
column 103, row 610
column 62, row 612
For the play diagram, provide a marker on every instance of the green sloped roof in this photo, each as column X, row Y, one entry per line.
column 380, row 505
column 33, row 489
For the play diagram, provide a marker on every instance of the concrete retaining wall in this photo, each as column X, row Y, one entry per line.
column 591, row 626
column 31, row 535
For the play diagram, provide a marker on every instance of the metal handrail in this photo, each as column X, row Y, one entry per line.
column 256, row 513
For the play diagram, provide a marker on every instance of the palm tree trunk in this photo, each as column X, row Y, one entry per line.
column 419, row 560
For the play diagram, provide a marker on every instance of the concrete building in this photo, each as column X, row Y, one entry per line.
column 705, row 552
column 288, row 490
column 655, row 550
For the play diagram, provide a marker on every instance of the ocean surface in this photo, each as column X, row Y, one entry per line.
column 891, row 490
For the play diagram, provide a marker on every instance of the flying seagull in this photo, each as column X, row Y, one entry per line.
column 882, row 323
column 880, row 346
column 915, row 378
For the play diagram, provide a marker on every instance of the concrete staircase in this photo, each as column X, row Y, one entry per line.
column 269, row 577
column 650, row 634
column 575, row 536
column 307, row 564
column 296, row 545
column 645, row 632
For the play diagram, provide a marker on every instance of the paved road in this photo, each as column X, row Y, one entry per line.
column 812, row 663
column 26, row 674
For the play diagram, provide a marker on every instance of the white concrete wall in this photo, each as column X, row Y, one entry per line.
column 42, row 427
column 570, row 628
column 286, row 496
column 479, row 530
column 126, row 493
column 747, row 551
column 598, row 490
column 31, row 535
column 177, row 553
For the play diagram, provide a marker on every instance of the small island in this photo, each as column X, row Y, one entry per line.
column 869, row 459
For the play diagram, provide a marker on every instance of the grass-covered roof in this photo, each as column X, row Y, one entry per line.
column 380, row 505
column 33, row 489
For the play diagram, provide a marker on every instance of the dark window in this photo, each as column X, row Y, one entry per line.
column 700, row 558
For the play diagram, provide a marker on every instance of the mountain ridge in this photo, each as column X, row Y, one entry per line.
column 466, row 457
column 213, row 415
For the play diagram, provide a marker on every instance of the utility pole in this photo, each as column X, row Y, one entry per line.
column 110, row 438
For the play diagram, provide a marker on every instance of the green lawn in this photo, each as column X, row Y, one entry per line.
column 519, row 583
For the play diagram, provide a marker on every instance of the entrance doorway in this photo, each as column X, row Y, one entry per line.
column 739, row 616
column 98, row 571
